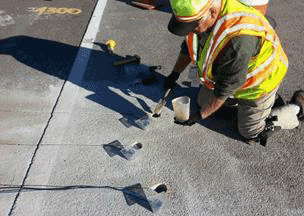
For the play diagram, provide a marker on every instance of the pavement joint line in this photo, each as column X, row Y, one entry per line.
column 34, row 154
column 83, row 55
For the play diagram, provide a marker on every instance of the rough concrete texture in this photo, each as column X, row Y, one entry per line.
column 22, row 127
column 207, row 169
column 14, row 162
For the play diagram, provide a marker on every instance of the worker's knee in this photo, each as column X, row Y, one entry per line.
column 251, row 121
column 252, row 115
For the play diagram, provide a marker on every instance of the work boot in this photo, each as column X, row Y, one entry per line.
column 253, row 141
column 298, row 99
column 279, row 101
column 268, row 131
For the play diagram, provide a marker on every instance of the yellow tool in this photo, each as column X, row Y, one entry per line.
column 111, row 44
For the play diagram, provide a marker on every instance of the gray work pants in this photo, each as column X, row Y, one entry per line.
column 251, row 114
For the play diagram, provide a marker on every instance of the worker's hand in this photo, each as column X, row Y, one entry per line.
column 196, row 117
column 170, row 81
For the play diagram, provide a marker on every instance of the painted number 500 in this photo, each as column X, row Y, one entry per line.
column 53, row 10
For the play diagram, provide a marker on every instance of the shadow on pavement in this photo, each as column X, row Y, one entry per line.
column 224, row 121
column 135, row 194
column 105, row 80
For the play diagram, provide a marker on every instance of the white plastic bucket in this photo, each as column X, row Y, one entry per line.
column 181, row 107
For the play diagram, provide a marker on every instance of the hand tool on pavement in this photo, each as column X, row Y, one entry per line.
column 143, row 5
column 149, row 4
column 159, row 107
column 133, row 60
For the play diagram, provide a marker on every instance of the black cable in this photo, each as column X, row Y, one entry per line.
column 15, row 188
column 53, row 187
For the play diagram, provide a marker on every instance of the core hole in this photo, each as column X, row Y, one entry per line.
column 156, row 115
column 138, row 146
column 161, row 188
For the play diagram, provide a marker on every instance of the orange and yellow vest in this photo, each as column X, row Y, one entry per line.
column 266, row 70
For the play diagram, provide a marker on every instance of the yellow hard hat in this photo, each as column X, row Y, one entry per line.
column 185, row 13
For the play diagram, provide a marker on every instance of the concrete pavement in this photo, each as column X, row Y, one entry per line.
column 63, row 105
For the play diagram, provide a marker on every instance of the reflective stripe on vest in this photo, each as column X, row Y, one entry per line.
column 192, row 43
column 255, row 77
column 224, row 28
column 219, row 24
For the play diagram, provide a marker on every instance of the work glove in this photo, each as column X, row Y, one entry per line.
column 170, row 81
column 194, row 118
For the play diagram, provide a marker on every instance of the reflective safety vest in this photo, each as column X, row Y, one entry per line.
column 266, row 70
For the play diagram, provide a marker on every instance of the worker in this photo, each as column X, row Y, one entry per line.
column 237, row 56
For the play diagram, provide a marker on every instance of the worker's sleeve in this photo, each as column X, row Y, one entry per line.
column 231, row 65
column 202, row 39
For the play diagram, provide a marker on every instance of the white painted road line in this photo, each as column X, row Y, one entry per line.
column 71, row 87
column 87, row 43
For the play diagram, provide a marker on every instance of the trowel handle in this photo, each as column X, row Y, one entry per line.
column 161, row 103
column 133, row 60
column 167, row 93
